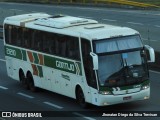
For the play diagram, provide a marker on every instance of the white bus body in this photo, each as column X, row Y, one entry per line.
column 80, row 58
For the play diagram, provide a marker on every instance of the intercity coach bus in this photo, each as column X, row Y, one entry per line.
column 94, row 63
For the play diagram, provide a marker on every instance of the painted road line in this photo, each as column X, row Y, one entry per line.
column 25, row 95
column 53, row 105
column 85, row 17
column 3, row 60
column 34, row 11
column 134, row 23
column 4, row 88
column 111, row 20
column 149, row 40
column 15, row 10
column 80, row 115
column 157, row 26
column 154, row 71
column 152, row 40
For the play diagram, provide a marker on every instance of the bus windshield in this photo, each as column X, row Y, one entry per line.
column 121, row 61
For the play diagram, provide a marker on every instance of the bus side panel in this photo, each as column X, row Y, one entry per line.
column 9, row 65
column 71, row 83
column 13, row 66
column 47, row 78
column 61, row 83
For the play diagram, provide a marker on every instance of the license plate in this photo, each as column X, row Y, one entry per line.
column 127, row 98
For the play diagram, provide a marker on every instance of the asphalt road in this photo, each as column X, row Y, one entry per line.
column 14, row 98
column 146, row 22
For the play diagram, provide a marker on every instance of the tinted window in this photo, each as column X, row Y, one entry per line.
column 7, row 31
column 26, row 37
column 73, row 48
column 50, row 43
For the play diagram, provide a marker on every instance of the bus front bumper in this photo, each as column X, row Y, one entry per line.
column 104, row 100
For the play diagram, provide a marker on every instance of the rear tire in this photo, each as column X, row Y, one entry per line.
column 81, row 99
column 23, row 79
column 31, row 83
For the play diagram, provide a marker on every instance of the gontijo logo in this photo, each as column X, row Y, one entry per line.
column 10, row 52
column 64, row 65
column 68, row 66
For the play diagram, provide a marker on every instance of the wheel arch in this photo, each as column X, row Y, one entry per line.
column 78, row 86
column 28, row 72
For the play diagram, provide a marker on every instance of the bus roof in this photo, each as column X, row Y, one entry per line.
column 68, row 25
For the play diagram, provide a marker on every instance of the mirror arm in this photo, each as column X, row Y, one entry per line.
column 151, row 53
column 95, row 60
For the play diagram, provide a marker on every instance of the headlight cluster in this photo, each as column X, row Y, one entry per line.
column 105, row 92
column 144, row 87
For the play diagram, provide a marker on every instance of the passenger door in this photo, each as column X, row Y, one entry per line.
column 88, row 69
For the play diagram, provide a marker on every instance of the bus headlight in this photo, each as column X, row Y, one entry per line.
column 144, row 87
column 105, row 92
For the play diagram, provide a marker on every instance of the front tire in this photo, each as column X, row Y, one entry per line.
column 81, row 98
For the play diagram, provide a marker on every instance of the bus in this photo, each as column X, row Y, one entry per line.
column 94, row 63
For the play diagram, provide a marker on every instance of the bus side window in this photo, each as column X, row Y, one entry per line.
column 28, row 38
column 10, row 33
column 73, row 48
column 51, row 43
column 33, row 39
column 23, row 38
column 37, row 41
column 7, row 33
column 46, row 42
column 76, row 48
column 62, row 46
column 88, row 64
column 19, row 36
column 56, row 45
column 69, row 52
column 14, row 33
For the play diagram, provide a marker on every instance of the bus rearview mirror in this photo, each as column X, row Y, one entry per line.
column 95, row 60
column 151, row 53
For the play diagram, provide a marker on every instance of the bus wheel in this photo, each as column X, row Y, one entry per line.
column 23, row 79
column 31, row 82
column 81, row 99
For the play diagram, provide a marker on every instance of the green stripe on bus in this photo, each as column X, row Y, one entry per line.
column 64, row 65
column 48, row 61
column 36, row 60
column 40, row 71
column 79, row 67
column 13, row 52
column 24, row 55
column 53, row 62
